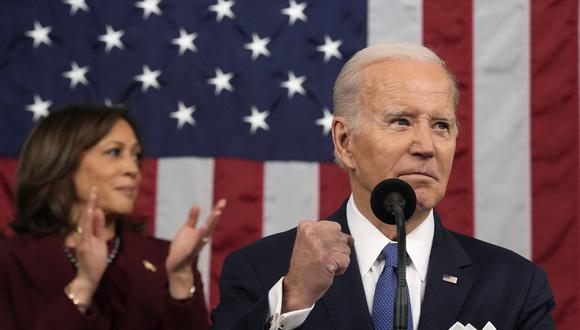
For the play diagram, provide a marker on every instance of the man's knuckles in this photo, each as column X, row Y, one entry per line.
column 318, row 227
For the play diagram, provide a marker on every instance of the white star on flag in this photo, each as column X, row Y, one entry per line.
column 185, row 41
column 221, row 81
column 183, row 115
column 295, row 11
column 39, row 108
column 39, row 34
column 76, row 75
column 112, row 39
column 108, row 102
column 326, row 121
column 258, row 46
column 257, row 119
column 75, row 5
column 148, row 78
column 330, row 48
column 294, row 84
column 149, row 7
column 223, row 8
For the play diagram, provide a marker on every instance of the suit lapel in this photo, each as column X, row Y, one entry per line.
column 141, row 260
column 443, row 299
column 345, row 301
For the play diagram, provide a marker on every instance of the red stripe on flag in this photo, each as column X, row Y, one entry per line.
column 242, row 183
column 334, row 188
column 8, row 168
column 447, row 29
column 146, row 200
column 554, row 140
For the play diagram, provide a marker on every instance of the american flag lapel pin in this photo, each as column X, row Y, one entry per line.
column 450, row 279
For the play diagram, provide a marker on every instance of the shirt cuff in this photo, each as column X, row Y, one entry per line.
column 287, row 321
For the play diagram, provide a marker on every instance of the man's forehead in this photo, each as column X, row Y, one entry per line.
column 390, row 88
column 386, row 83
column 389, row 74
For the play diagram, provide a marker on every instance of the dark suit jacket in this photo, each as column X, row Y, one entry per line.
column 35, row 270
column 494, row 284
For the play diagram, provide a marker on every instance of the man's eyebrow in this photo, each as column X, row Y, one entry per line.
column 400, row 112
column 451, row 118
column 406, row 112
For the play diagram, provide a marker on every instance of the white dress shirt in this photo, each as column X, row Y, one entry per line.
column 368, row 244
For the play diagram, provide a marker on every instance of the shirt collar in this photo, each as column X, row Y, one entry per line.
column 369, row 241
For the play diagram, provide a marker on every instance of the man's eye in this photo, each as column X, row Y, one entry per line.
column 401, row 121
column 442, row 125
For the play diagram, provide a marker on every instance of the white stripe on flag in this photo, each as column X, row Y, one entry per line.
column 291, row 194
column 502, row 124
column 399, row 20
column 182, row 182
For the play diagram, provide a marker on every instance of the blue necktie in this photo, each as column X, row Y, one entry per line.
column 384, row 300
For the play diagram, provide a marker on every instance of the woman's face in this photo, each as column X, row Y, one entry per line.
column 112, row 166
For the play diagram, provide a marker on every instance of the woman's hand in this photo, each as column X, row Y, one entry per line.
column 90, row 244
column 185, row 247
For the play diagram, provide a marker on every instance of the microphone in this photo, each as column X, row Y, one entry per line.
column 391, row 192
column 393, row 201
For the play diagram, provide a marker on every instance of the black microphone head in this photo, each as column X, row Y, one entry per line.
column 392, row 191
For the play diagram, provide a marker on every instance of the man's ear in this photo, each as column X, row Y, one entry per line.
column 342, row 139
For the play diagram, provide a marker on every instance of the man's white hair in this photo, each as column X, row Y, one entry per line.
column 349, row 80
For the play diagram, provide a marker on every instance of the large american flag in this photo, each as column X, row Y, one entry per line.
column 233, row 98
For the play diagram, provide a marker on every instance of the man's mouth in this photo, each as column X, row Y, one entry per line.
column 420, row 174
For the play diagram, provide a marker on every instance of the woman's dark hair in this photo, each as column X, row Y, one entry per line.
column 45, row 190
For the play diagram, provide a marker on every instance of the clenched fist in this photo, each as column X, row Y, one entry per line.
column 321, row 251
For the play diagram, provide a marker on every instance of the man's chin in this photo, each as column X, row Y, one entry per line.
column 425, row 201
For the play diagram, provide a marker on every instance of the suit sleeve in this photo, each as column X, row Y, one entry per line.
column 59, row 314
column 63, row 315
column 243, row 299
column 189, row 314
column 536, row 313
column 6, row 318
column 150, row 306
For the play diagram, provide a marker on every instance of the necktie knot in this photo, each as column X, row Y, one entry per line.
column 390, row 255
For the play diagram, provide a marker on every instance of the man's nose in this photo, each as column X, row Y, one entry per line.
column 423, row 144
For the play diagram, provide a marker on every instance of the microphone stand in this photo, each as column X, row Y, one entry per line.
column 401, row 307
column 393, row 201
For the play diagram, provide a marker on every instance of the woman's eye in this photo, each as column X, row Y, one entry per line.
column 138, row 156
column 115, row 152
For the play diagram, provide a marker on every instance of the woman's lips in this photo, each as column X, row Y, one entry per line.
column 128, row 191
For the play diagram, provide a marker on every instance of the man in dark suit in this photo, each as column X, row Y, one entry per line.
column 394, row 118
